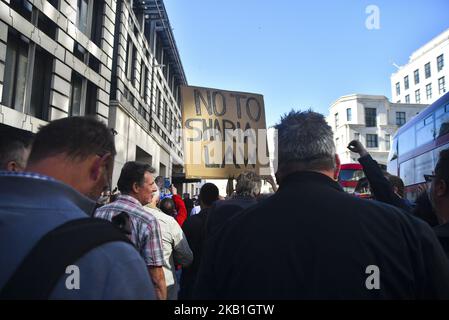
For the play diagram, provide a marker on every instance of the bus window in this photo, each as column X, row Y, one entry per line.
column 351, row 175
column 436, row 152
column 442, row 121
column 407, row 172
column 406, row 141
column 393, row 154
column 424, row 131
column 424, row 164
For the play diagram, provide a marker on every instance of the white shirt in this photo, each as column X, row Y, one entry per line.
column 195, row 210
column 175, row 248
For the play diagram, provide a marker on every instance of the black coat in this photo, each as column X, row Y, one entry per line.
column 195, row 231
column 442, row 233
column 311, row 240
column 223, row 211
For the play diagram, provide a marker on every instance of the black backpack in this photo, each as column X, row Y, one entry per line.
column 46, row 263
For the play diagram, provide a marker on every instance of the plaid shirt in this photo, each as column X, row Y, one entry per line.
column 145, row 230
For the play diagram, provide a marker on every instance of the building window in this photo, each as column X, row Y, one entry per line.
column 91, row 99
column 336, row 121
column 133, row 67
column 40, row 92
column 441, row 85
column 97, row 21
column 406, row 84
column 387, row 142
column 165, row 115
column 440, row 62
column 76, row 95
column 429, row 91
column 398, row 88
column 22, row 7
column 427, row 70
column 371, row 141
column 418, row 96
column 349, row 114
column 370, row 117
column 407, row 98
column 356, row 136
column 82, row 15
column 158, row 102
column 416, row 75
column 144, row 84
column 15, row 78
column 400, row 118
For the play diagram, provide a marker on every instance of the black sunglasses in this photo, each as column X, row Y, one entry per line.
column 429, row 177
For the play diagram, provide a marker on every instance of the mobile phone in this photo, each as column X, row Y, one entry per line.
column 167, row 183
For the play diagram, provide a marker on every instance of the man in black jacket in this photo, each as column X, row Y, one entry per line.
column 311, row 240
column 381, row 187
column 195, row 230
column 439, row 197
column 247, row 190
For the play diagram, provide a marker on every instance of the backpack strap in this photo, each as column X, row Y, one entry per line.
column 46, row 263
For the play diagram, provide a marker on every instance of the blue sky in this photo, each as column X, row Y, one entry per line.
column 300, row 54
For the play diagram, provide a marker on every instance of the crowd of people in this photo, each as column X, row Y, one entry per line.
column 142, row 240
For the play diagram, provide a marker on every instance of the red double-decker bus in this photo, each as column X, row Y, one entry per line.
column 350, row 174
column 416, row 145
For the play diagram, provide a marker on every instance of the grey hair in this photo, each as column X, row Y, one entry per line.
column 305, row 139
column 13, row 151
column 248, row 184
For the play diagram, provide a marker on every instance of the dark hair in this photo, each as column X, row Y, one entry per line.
column 13, row 143
column 397, row 182
column 132, row 172
column 362, row 185
column 442, row 167
column 305, row 140
column 77, row 137
column 209, row 194
column 167, row 205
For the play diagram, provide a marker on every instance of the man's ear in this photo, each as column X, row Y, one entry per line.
column 135, row 187
column 12, row 166
column 95, row 164
column 337, row 167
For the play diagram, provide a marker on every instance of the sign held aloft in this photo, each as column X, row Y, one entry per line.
column 224, row 133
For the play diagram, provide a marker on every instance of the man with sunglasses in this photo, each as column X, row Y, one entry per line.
column 69, row 166
column 438, row 192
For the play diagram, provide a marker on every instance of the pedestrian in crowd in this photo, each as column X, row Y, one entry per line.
column 174, row 243
column 246, row 193
column 196, row 207
column 188, row 202
column 439, row 197
column 181, row 211
column 69, row 165
column 423, row 207
column 388, row 189
column 195, row 228
column 136, row 185
column 311, row 240
column 15, row 147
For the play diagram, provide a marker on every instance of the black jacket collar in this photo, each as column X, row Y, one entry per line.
column 309, row 177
